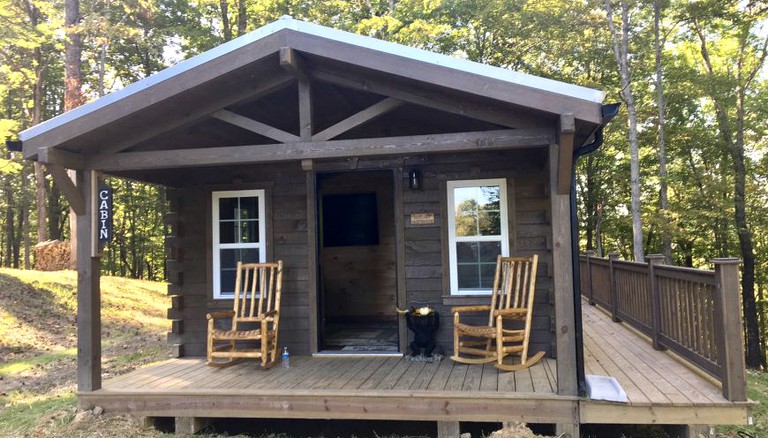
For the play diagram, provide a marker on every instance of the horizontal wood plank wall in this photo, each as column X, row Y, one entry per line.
column 426, row 268
column 286, row 239
column 426, row 259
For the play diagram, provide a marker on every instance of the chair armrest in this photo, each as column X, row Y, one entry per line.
column 461, row 309
column 515, row 311
column 217, row 315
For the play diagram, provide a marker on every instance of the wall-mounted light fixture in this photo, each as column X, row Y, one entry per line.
column 414, row 179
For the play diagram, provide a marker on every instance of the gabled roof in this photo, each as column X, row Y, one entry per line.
column 87, row 128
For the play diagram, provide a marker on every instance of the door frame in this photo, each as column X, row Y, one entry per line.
column 313, row 249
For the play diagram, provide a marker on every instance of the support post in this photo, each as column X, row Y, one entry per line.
column 728, row 329
column 448, row 429
column 590, row 254
column 612, row 257
column 189, row 425
column 312, row 265
column 562, row 273
column 653, row 261
column 88, row 291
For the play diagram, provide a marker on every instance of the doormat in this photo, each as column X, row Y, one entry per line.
column 421, row 358
column 371, row 348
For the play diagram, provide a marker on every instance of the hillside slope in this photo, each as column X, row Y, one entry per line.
column 38, row 344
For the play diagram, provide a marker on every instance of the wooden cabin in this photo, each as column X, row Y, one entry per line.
column 344, row 156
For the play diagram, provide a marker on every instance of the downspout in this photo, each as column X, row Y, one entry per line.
column 608, row 113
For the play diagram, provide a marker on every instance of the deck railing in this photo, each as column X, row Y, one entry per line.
column 694, row 313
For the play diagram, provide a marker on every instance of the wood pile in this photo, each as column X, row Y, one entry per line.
column 52, row 255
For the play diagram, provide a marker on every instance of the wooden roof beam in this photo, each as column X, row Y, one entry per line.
column 372, row 112
column 255, row 126
column 565, row 137
column 294, row 64
column 268, row 85
column 59, row 157
column 68, row 188
column 417, row 144
column 490, row 112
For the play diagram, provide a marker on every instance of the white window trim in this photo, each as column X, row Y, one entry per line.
column 453, row 239
column 261, row 245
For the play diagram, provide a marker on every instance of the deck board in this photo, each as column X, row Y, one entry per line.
column 660, row 389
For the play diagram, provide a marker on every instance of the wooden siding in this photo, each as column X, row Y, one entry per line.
column 425, row 251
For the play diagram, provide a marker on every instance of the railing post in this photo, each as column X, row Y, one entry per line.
column 613, row 256
column 728, row 329
column 653, row 260
column 590, row 254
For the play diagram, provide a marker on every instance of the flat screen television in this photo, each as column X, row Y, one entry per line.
column 350, row 219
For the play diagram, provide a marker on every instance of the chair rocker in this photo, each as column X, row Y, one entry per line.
column 254, row 318
column 509, row 319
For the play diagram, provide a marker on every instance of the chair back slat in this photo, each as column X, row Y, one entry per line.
column 513, row 283
column 257, row 289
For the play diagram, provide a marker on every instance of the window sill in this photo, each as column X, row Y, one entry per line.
column 466, row 300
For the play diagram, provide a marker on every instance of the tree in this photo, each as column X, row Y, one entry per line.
column 729, row 89
column 621, row 53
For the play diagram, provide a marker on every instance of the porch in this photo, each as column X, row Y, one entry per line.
column 660, row 388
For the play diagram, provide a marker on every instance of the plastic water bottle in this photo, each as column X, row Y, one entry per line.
column 286, row 358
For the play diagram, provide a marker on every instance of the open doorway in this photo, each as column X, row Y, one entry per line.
column 358, row 278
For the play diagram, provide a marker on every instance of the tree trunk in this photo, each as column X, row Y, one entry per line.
column 10, row 229
column 73, row 93
column 24, row 216
column 666, row 239
column 621, row 53
column 735, row 146
column 225, row 25
column 37, row 117
column 242, row 17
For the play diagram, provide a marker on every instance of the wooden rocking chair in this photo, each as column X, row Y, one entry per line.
column 511, row 302
column 255, row 317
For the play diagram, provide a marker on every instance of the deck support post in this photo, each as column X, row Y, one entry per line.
column 567, row 430
column 448, row 429
column 730, row 340
column 189, row 425
column 590, row 254
column 653, row 260
column 562, row 273
column 88, row 290
column 612, row 257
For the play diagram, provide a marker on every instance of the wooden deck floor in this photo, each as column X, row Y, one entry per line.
column 660, row 389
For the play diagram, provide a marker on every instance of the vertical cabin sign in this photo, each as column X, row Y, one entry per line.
column 104, row 214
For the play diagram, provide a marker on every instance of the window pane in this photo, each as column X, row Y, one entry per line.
column 468, row 276
column 465, row 211
column 487, row 273
column 249, row 255
column 467, row 252
column 489, row 251
column 227, row 208
column 228, row 259
column 489, row 223
column 227, row 232
column 249, row 232
column 249, row 208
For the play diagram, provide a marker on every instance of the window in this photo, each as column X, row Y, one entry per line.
column 477, row 233
column 238, row 235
